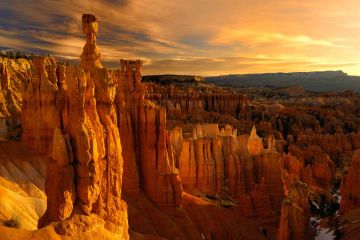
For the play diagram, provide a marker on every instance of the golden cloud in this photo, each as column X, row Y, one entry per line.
column 201, row 37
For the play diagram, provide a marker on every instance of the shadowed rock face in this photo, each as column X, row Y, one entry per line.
column 193, row 99
column 150, row 162
column 348, row 220
column 350, row 190
column 295, row 213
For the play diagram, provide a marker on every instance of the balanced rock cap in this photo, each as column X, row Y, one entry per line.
column 89, row 24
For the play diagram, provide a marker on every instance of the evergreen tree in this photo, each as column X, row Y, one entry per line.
column 17, row 55
column 11, row 54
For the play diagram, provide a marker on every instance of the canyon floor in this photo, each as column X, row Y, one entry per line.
column 88, row 152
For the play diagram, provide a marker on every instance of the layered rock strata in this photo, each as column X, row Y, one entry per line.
column 181, row 101
column 150, row 162
column 220, row 164
column 13, row 75
column 336, row 146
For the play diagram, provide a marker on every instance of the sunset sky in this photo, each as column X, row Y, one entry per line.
column 202, row 37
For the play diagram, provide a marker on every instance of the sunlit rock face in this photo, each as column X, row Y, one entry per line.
column 91, row 54
column 218, row 163
column 39, row 114
column 76, row 122
column 13, row 75
column 209, row 161
column 255, row 144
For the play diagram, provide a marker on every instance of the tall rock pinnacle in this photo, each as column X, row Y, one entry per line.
column 84, row 174
column 90, row 56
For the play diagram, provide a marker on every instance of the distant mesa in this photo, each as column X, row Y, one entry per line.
column 320, row 81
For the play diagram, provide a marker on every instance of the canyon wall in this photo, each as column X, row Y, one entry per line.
column 221, row 164
column 13, row 75
column 259, row 181
column 335, row 146
column 190, row 99
column 149, row 157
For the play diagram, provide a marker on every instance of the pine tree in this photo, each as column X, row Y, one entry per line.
column 17, row 55
column 11, row 54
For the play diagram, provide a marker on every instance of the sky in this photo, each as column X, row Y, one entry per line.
column 199, row 37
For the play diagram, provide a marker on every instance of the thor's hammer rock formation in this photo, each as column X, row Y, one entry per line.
column 84, row 175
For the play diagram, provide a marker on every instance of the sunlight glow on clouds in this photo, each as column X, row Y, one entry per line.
column 227, row 36
column 205, row 37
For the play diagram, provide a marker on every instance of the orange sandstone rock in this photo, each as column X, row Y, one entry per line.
column 255, row 144
column 13, row 75
column 350, row 192
column 90, row 55
column 180, row 101
column 222, row 167
column 150, row 163
column 295, row 213
column 87, row 150
column 39, row 115
column 60, row 187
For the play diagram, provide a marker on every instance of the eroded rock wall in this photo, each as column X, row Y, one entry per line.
column 150, row 163
column 179, row 100
column 13, row 76
column 220, row 164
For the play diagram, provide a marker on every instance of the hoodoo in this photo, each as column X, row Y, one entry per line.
column 84, row 174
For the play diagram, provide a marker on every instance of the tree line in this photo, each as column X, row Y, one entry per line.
column 17, row 54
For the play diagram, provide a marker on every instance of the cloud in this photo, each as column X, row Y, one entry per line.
column 251, row 37
column 200, row 37
column 234, row 65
